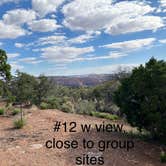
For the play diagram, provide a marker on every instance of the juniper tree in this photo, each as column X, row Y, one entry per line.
column 142, row 97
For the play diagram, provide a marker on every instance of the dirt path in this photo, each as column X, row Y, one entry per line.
column 26, row 147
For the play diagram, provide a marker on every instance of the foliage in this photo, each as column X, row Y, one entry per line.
column 103, row 95
column 44, row 106
column 142, row 97
column 4, row 67
column 20, row 123
column 144, row 135
column 15, row 111
column 85, row 107
column 42, row 89
column 2, row 111
column 67, row 107
column 23, row 87
column 163, row 157
column 104, row 115
column 5, row 75
column 53, row 103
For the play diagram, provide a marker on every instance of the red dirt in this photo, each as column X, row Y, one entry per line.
column 26, row 147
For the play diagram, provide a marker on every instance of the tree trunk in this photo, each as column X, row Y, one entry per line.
column 21, row 109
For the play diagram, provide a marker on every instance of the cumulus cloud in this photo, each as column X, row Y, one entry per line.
column 104, row 69
column 19, row 45
column 163, row 3
column 13, row 55
column 112, row 55
column 30, row 60
column 7, row 1
column 84, row 38
column 59, row 39
column 54, row 39
column 114, row 18
column 10, row 31
column 131, row 44
column 19, row 16
column 43, row 25
column 44, row 7
column 163, row 41
column 124, row 25
column 64, row 54
column 15, row 66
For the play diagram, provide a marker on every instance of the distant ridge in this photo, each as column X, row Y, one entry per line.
column 81, row 80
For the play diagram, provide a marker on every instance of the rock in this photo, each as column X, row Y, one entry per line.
column 36, row 146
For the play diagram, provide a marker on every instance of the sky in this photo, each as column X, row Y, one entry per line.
column 80, row 37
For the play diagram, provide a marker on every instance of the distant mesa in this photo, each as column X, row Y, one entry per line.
column 81, row 80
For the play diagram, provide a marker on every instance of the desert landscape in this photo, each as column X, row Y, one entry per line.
column 82, row 83
column 26, row 147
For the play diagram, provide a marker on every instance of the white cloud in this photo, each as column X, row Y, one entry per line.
column 19, row 45
column 124, row 25
column 13, row 55
column 7, row 1
column 64, row 54
column 163, row 3
column 1, row 43
column 84, row 38
column 106, row 69
column 54, row 39
column 114, row 18
column 163, row 41
column 43, row 25
column 30, row 60
column 15, row 66
column 10, row 31
column 44, row 7
column 19, row 16
column 112, row 55
column 61, row 39
column 131, row 44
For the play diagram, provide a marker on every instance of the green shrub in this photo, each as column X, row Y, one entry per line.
column 67, row 107
column 54, row 103
column 104, row 115
column 144, row 135
column 18, row 124
column 85, row 107
column 2, row 111
column 44, row 106
column 15, row 111
column 163, row 157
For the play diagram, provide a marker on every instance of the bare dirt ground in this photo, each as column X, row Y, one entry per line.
column 26, row 147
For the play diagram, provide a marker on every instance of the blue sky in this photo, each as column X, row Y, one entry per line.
column 75, row 37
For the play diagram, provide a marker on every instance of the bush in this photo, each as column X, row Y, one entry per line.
column 142, row 98
column 144, row 135
column 67, row 107
column 18, row 124
column 55, row 103
column 163, row 157
column 44, row 106
column 2, row 111
column 52, row 103
column 85, row 107
column 104, row 115
column 15, row 111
